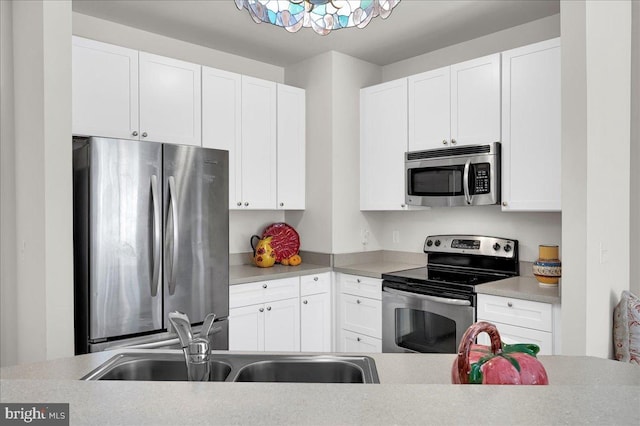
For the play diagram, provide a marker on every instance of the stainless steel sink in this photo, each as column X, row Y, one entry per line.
column 170, row 365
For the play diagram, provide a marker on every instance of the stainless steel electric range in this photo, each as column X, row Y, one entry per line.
column 428, row 309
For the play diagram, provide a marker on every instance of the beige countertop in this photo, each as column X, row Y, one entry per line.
column 521, row 287
column 240, row 274
column 375, row 269
column 414, row 389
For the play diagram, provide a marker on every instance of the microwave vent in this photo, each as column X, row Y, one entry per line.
column 448, row 152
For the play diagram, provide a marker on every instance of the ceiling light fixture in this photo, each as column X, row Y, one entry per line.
column 321, row 15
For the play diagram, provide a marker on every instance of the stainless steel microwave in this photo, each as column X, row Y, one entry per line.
column 467, row 175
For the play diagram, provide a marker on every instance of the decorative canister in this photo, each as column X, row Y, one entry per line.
column 548, row 268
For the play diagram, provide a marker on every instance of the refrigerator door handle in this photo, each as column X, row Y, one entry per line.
column 173, row 210
column 156, row 235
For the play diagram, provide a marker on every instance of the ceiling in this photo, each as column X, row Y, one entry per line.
column 415, row 27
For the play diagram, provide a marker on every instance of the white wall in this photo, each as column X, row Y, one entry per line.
column 596, row 79
column 122, row 35
column 244, row 224
column 8, row 290
column 634, row 251
column 314, row 224
column 43, row 209
column 521, row 35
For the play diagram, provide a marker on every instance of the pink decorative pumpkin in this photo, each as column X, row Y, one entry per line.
column 496, row 365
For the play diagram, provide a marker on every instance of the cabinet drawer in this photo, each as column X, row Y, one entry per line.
column 263, row 291
column 361, row 315
column 517, row 312
column 511, row 334
column 361, row 286
column 315, row 284
column 359, row 343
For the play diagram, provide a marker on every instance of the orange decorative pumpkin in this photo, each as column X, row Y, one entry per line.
column 295, row 260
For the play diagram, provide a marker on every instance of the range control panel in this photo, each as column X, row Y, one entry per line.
column 471, row 244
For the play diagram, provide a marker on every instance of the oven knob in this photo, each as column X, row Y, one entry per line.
column 496, row 246
column 507, row 248
column 437, row 243
column 429, row 243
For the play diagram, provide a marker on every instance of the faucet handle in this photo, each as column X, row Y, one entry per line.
column 182, row 325
column 207, row 324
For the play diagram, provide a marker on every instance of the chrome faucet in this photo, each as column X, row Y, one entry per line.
column 196, row 349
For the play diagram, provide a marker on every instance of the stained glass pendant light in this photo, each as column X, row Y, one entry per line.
column 321, row 15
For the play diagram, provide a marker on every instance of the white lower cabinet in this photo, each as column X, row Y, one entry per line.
column 315, row 313
column 359, row 314
column 520, row 321
column 273, row 324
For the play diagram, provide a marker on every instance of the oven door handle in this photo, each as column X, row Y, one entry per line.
column 445, row 300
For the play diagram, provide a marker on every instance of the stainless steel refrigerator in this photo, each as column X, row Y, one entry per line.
column 151, row 236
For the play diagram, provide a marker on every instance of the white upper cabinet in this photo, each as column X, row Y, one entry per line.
column 170, row 100
column 291, row 148
column 126, row 94
column 221, row 122
column 430, row 109
column 455, row 105
column 383, row 143
column 259, row 167
column 475, row 101
column 104, row 90
column 531, row 130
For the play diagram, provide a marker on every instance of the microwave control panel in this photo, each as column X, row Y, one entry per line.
column 481, row 178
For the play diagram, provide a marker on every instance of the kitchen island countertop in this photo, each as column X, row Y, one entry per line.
column 414, row 389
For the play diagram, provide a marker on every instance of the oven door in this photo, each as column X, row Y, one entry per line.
column 414, row 322
column 454, row 181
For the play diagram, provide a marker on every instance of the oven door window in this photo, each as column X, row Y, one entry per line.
column 425, row 332
column 444, row 181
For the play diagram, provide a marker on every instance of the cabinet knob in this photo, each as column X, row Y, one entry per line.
column 358, row 301
column 264, row 285
column 144, row 134
column 239, row 203
column 509, row 304
column 402, row 205
column 246, row 203
column 444, row 141
column 358, row 339
column 261, row 309
column 453, row 142
column 268, row 308
column 281, row 204
column 358, row 280
column 134, row 133
column 505, row 204
column 305, row 302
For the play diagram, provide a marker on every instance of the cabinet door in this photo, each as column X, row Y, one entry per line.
column 282, row 326
column 511, row 334
column 170, row 100
column 531, row 128
column 104, row 90
column 361, row 315
column 246, row 328
column 258, row 144
column 383, row 142
column 475, row 101
column 430, row 110
column 221, row 122
column 315, row 323
column 291, row 148
column 358, row 343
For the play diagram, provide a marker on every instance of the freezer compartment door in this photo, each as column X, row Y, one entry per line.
column 125, row 229
column 196, row 240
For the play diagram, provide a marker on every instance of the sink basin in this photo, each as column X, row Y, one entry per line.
column 170, row 366
column 153, row 367
column 304, row 371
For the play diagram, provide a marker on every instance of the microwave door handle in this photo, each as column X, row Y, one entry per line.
column 465, row 182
